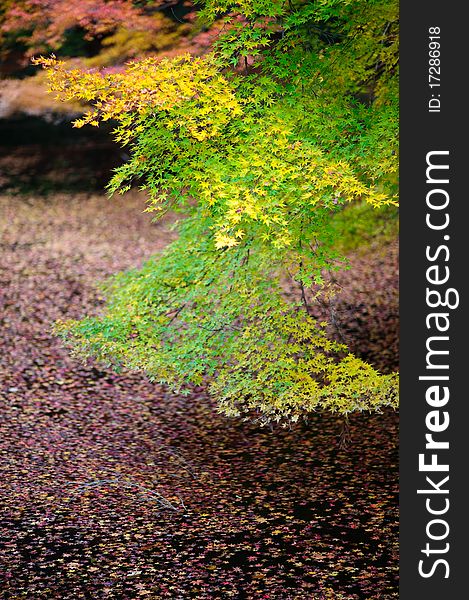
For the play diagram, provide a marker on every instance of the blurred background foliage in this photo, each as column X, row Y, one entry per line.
column 39, row 151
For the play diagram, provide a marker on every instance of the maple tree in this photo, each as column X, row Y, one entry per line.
column 260, row 143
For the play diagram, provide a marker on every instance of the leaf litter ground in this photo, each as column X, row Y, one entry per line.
column 112, row 487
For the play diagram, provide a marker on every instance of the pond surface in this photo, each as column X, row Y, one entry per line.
column 112, row 487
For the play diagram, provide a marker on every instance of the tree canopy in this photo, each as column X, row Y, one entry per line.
column 259, row 143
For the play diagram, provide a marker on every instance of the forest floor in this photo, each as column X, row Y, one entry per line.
column 112, row 487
